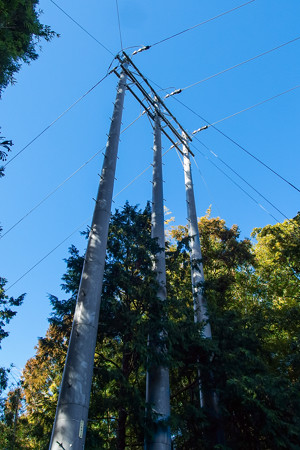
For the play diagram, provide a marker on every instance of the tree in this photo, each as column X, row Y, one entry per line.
column 7, row 312
column 6, row 145
column 20, row 34
column 252, row 353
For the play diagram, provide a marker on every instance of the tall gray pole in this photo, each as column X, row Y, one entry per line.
column 197, row 274
column 208, row 398
column 157, row 383
column 70, row 423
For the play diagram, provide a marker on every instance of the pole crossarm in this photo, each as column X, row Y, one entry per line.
column 154, row 106
column 159, row 100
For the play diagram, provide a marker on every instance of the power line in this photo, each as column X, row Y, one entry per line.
column 51, row 193
column 207, row 187
column 232, row 140
column 243, row 179
column 54, row 121
column 234, row 182
column 178, row 91
column 240, row 146
column 62, row 183
column 82, row 28
column 119, row 23
column 199, row 24
column 46, row 256
column 250, row 107
column 78, row 228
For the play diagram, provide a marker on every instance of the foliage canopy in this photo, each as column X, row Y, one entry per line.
column 253, row 299
column 20, row 34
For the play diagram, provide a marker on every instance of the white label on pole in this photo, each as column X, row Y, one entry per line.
column 81, row 426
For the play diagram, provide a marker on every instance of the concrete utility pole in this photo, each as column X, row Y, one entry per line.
column 197, row 274
column 208, row 398
column 70, row 423
column 157, row 383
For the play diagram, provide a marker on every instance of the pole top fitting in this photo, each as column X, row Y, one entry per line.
column 177, row 91
column 142, row 49
column 200, row 129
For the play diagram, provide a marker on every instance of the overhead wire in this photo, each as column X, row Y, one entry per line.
column 240, row 146
column 236, row 173
column 242, row 178
column 82, row 28
column 234, row 182
column 207, row 187
column 77, row 229
column 254, row 106
column 252, row 187
column 232, row 140
column 199, row 24
column 46, row 256
column 119, row 24
column 56, row 120
column 60, row 185
column 178, row 91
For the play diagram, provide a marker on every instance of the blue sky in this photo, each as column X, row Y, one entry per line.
column 72, row 64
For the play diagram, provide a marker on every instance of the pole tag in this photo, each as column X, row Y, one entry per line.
column 81, row 427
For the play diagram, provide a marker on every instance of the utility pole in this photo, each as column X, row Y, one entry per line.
column 70, row 424
column 157, row 382
column 208, row 398
column 197, row 274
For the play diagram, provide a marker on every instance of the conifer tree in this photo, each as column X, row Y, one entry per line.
column 252, row 357
column 20, row 33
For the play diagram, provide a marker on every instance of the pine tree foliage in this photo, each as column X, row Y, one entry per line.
column 253, row 300
column 7, row 312
column 5, row 147
column 20, row 34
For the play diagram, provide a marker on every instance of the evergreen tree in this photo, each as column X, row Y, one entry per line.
column 20, row 33
column 5, row 146
column 255, row 325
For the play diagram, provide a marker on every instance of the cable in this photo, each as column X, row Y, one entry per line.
column 207, row 187
column 119, row 23
column 80, row 26
column 201, row 23
column 238, row 65
column 240, row 146
column 233, row 181
column 46, row 256
column 254, row 106
column 243, row 179
column 54, row 121
column 73, row 232
column 62, row 183
column 231, row 140
column 51, row 193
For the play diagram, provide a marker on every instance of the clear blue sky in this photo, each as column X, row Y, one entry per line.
column 70, row 65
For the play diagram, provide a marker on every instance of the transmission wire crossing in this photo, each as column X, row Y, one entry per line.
column 235, row 183
column 232, row 140
column 238, row 145
column 152, row 107
column 242, row 178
